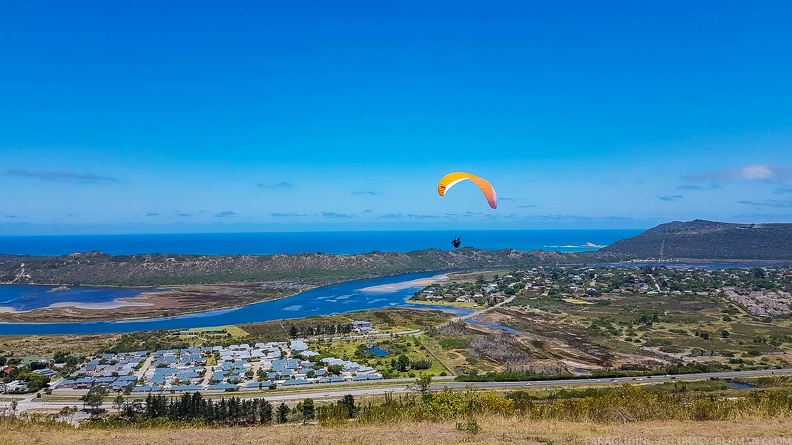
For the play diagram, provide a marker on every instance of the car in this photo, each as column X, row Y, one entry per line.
column 528, row 384
column 673, row 378
column 615, row 380
column 648, row 377
column 633, row 378
column 638, row 379
column 599, row 380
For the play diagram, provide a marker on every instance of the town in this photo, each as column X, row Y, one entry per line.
column 739, row 302
column 206, row 368
column 758, row 291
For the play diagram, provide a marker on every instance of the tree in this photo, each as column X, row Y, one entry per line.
column 283, row 413
column 725, row 333
column 293, row 331
column 402, row 363
column 424, row 382
column 308, row 410
column 118, row 402
column 348, row 402
column 94, row 398
column 265, row 412
column 421, row 364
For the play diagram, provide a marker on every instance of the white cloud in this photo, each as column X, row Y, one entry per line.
column 746, row 173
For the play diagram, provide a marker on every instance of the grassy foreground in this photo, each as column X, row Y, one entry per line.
column 494, row 430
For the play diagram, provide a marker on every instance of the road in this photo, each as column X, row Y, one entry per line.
column 477, row 313
column 404, row 386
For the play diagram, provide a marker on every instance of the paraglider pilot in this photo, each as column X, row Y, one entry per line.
column 457, row 241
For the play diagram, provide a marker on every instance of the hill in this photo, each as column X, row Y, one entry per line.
column 96, row 268
column 704, row 240
column 708, row 240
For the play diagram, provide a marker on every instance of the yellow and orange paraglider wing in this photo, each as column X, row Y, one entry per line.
column 454, row 178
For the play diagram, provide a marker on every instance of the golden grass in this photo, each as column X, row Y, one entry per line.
column 48, row 345
column 494, row 430
column 575, row 301
column 236, row 331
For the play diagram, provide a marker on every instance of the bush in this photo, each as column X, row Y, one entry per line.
column 421, row 364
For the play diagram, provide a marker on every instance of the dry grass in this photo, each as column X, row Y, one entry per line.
column 494, row 430
column 47, row 345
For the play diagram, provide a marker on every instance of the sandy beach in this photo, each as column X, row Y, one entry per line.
column 406, row 284
column 115, row 304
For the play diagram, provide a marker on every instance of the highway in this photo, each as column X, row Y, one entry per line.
column 400, row 386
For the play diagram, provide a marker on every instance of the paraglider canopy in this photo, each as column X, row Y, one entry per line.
column 451, row 179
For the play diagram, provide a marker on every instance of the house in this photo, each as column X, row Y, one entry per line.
column 104, row 381
column 220, row 387
column 16, row 386
column 295, row 382
column 298, row 345
column 331, row 379
column 361, row 326
column 46, row 372
column 185, row 388
column 83, row 383
column 146, row 388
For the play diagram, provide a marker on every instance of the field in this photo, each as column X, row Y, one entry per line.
column 48, row 345
column 629, row 331
column 493, row 430
column 410, row 346
column 386, row 320
column 391, row 320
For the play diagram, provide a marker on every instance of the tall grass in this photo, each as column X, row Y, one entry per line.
column 625, row 404
column 621, row 405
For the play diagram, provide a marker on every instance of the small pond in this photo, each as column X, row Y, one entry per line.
column 739, row 385
column 377, row 351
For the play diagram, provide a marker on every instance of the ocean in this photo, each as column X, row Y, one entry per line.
column 326, row 242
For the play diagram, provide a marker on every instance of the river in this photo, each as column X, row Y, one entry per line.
column 350, row 296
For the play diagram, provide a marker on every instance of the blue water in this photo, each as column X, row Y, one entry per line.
column 377, row 351
column 739, row 385
column 296, row 242
column 28, row 297
column 335, row 299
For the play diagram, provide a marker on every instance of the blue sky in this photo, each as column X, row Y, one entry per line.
column 137, row 117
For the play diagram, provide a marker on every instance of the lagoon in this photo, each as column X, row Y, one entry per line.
column 28, row 297
column 374, row 293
